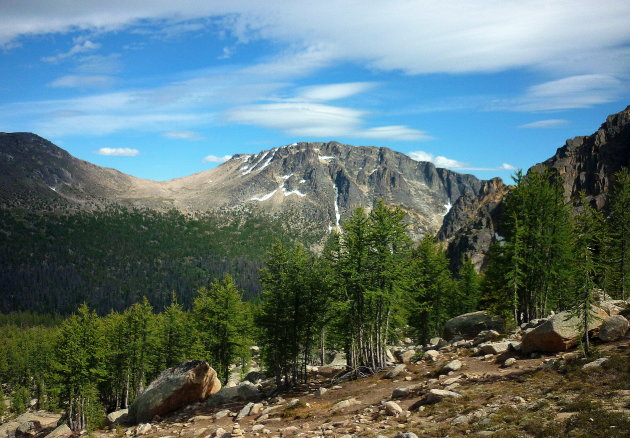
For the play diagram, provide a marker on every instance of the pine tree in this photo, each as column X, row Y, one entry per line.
column 222, row 326
column 468, row 288
column 618, row 275
column 432, row 290
column 292, row 311
column 589, row 241
column 79, row 368
column 174, row 335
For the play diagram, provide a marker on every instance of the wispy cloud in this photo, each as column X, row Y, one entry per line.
column 184, row 135
column 449, row 163
column 580, row 91
column 120, row 152
column 77, row 81
column 215, row 159
column 543, row 124
column 305, row 119
column 79, row 47
column 451, row 37
column 332, row 91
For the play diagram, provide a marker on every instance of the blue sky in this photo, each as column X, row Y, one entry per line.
column 162, row 89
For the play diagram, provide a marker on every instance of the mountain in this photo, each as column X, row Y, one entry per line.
column 588, row 163
column 585, row 163
column 313, row 185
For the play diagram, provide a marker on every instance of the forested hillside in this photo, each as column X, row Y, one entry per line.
column 111, row 258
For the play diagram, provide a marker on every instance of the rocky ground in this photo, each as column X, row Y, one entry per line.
column 543, row 396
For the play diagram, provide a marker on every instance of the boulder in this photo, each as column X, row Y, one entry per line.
column 494, row 348
column 343, row 404
column 437, row 343
column 558, row 333
column 392, row 408
column 596, row 363
column 405, row 356
column 453, row 365
column 28, row 429
column 46, row 420
column 470, row 325
column 339, row 361
column 246, row 392
column 613, row 307
column 176, row 387
column 395, row 371
column 434, row 396
column 431, row 355
column 62, row 431
column 613, row 328
column 118, row 417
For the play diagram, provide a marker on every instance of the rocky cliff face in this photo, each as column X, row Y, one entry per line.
column 585, row 163
column 588, row 163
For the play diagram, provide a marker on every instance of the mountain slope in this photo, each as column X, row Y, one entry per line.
column 315, row 185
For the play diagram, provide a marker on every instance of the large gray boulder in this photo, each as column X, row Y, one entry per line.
column 613, row 328
column 559, row 333
column 174, row 388
column 244, row 392
column 29, row 421
column 469, row 325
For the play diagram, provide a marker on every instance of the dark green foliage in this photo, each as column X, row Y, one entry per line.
column 222, row 325
column 618, row 251
column 292, row 311
column 435, row 296
column 20, row 398
column 80, row 367
column 175, row 335
column 536, row 259
column 372, row 267
column 110, row 259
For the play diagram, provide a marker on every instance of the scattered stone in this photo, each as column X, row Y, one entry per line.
column 174, row 388
column 469, row 325
column 219, row 433
column 431, row 355
column 494, row 348
column 450, row 381
column 245, row 411
column 613, row 328
column 321, row 391
column 596, row 363
column 343, row 404
column 289, row 431
column 509, row 362
column 245, row 391
column 406, row 435
column 392, row 408
column 453, row 365
column 143, row 428
column 437, row 343
column 485, row 336
column 394, row 372
column 434, row 396
column 407, row 341
column 462, row 419
column 256, row 409
column 405, row 356
column 222, row 414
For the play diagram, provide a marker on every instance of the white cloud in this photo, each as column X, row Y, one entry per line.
column 184, row 135
column 579, row 91
column 120, row 152
column 74, row 81
column 333, row 91
column 215, row 159
column 449, row 36
column 438, row 160
column 449, row 163
column 79, row 47
column 304, row 119
column 541, row 124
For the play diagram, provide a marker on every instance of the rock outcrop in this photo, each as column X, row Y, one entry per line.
column 469, row 325
column 559, row 333
column 187, row 383
column 613, row 328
